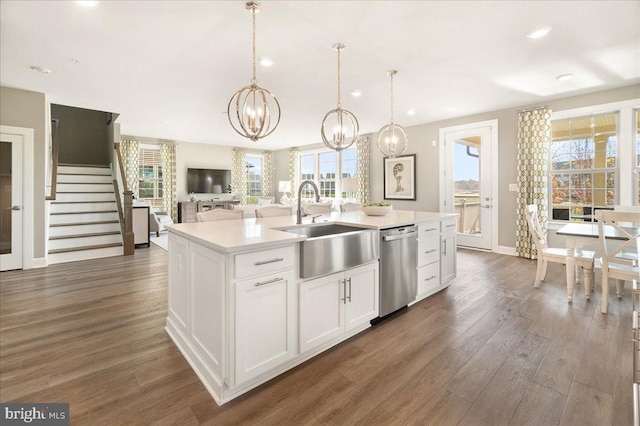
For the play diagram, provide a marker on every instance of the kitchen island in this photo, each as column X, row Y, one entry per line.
column 240, row 313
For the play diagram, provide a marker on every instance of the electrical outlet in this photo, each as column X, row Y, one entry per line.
column 513, row 187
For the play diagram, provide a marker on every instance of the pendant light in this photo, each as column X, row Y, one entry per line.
column 392, row 138
column 253, row 110
column 339, row 123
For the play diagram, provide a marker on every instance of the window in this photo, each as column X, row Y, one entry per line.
column 324, row 167
column 150, row 176
column 254, row 178
column 593, row 155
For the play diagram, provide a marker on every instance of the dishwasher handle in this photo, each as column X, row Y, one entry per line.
column 399, row 237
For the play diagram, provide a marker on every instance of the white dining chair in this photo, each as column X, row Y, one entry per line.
column 317, row 208
column 219, row 214
column 546, row 254
column 272, row 211
column 619, row 257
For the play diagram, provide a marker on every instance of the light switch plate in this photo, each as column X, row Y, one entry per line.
column 513, row 187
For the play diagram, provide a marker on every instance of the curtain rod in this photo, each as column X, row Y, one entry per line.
column 533, row 109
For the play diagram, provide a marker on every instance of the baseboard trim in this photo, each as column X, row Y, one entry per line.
column 40, row 262
column 511, row 251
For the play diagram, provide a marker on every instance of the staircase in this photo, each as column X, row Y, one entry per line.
column 83, row 220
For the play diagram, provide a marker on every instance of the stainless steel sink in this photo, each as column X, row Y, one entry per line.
column 333, row 248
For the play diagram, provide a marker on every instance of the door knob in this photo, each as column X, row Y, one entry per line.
column 15, row 207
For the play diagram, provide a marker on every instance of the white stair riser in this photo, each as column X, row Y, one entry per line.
column 85, row 170
column 84, row 187
column 58, row 231
column 85, row 207
column 85, row 197
column 81, row 218
column 84, row 178
column 84, row 255
column 84, row 241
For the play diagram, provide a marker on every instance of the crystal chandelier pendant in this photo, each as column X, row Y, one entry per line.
column 392, row 138
column 254, row 112
column 340, row 127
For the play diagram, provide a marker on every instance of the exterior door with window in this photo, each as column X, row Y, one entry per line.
column 11, row 205
column 469, row 182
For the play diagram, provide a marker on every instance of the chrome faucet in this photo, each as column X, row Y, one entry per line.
column 317, row 192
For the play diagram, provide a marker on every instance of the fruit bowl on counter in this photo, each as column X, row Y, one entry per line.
column 377, row 209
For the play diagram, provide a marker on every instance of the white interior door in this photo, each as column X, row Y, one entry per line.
column 470, row 175
column 11, row 205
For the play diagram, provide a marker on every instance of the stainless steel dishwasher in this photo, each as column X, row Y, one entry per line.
column 398, row 263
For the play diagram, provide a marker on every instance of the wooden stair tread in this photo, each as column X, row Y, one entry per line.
column 97, row 166
column 82, row 174
column 84, row 223
column 82, row 248
column 85, row 192
column 85, row 183
column 81, row 202
column 93, row 234
column 84, row 212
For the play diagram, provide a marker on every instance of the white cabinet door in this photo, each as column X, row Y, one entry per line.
column 265, row 324
column 448, row 257
column 321, row 310
column 179, row 285
column 361, row 295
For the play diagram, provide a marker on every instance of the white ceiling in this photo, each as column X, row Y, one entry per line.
column 170, row 67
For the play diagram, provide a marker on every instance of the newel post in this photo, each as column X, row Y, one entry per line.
column 128, row 237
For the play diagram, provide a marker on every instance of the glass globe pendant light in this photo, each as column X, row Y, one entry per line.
column 392, row 138
column 252, row 110
column 339, row 127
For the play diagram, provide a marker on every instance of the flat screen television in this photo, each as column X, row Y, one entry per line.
column 208, row 181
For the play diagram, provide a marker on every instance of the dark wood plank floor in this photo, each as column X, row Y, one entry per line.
column 490, row 350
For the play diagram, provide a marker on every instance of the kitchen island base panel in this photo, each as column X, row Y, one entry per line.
column 219, row 388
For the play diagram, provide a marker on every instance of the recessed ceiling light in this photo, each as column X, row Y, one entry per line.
column 266, row 62
column 356, row 93
column 540, row 32
column 42, row 70
column 87, row 3
column 412, row 111
column 565, row 77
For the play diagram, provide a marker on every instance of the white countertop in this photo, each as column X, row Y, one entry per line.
column 230, row 236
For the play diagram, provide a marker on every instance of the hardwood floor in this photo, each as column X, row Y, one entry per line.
column 489, row 350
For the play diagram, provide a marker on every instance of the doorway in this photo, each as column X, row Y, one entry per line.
column 16, row 198
column 469, row 188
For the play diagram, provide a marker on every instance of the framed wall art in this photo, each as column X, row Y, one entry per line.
column 400, row 178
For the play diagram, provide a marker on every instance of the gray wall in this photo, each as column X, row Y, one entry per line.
column 22, row 108
column 84, row 136
column 427, row 156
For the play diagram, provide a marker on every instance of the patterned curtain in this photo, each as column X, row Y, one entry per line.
column 534, row 131
column 130, row 158
column 267, row 174
column 362, row 170
column 294, row 170
column 239, row 175
column 169, row 201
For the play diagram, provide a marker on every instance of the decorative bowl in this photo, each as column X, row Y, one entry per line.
column 377, row 210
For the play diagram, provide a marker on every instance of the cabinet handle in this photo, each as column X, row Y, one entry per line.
column 430, row 278
column 430, row 229
column 275, row 280
column 451, row 225
column 430, row 251
column 264, row 262
column 349, row 279
column 444, row 250
column 344, row 291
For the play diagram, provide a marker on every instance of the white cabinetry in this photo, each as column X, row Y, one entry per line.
column 265, row 324
column 436, row 256
column 336, row 304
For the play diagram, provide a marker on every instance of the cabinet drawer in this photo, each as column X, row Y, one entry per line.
column 428, row 278
column 264, row 261
column 428, row 229
column 449, row 225
column 428, row 250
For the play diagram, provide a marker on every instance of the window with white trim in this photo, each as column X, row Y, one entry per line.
column 150, row 176
column 593, row 155
column 325, row 167
column 254, row 178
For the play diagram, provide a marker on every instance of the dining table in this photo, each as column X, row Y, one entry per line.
column 577, row 235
